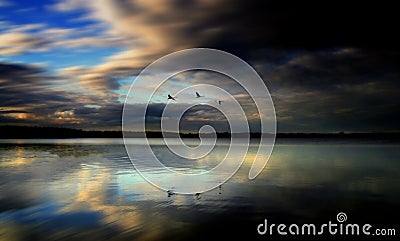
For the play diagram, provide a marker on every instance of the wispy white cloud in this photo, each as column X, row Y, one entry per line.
column 16, row 43
column 25, row 38
column 5, row 3
column 145, row 29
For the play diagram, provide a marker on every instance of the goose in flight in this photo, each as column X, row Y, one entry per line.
column 171, row 97
column 198, row 95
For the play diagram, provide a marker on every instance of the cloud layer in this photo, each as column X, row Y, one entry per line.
column 330, row 65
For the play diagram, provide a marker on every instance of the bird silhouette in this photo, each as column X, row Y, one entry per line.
column 198, row 95
column 170, row 193
column 171, row 97
column 220, row 102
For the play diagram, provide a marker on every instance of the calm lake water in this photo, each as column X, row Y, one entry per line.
column 87, row 189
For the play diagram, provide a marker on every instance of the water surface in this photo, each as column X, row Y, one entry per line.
column 77, row 189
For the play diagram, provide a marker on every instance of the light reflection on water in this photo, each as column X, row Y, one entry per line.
column 87, row 188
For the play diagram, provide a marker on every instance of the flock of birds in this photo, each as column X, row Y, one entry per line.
column 197, row 195
column 170, row 97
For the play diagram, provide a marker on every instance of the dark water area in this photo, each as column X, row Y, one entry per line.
column 87, row 189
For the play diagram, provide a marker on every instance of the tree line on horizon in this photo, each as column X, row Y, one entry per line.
column 31, row 132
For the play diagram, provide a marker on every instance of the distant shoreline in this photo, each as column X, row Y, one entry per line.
column 26, row 132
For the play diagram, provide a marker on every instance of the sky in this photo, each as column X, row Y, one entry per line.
column 330, row 66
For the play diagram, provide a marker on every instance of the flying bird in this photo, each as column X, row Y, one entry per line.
column 220, row 102
column 170, row 193
column 198, row 95
column 171, row 97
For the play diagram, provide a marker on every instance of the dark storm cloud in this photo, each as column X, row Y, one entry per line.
column 22, row 83
column 12, row 111
column 336, row 68
column 242, row 27
column 28, row 95
column 245, row 28
column 334, row 90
